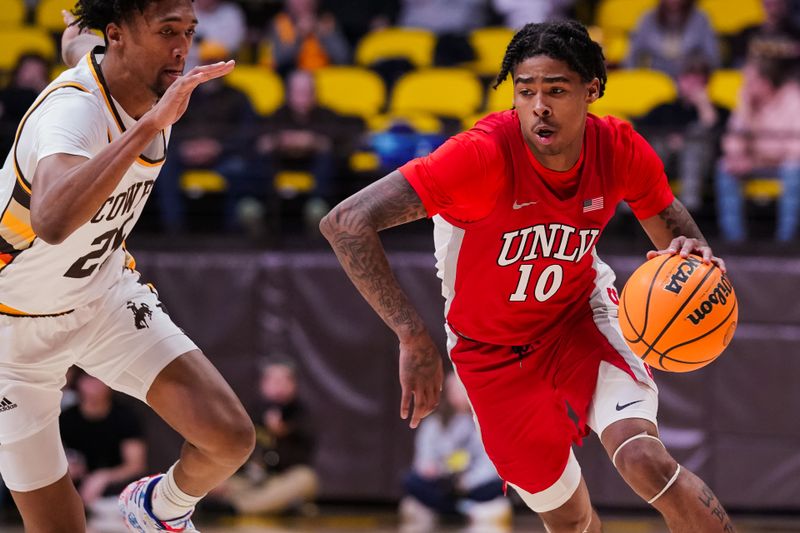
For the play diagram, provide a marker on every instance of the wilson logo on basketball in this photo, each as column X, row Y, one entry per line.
column 719, row 296
column 682, row 274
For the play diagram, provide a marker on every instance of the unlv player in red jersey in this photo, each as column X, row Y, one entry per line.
column 518, row 203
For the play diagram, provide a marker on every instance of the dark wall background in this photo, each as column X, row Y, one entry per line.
column 734, row 423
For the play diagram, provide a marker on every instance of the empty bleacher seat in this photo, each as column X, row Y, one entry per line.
column 446, row 92
column 262, row 86
column 732, row 16
column 48, row 14
column 621, row 16
column 12, row 13
column 724, row 87
column 17, row 41
column 633, row 93
column 350, row 90
column 415, row 45
column 490, row 46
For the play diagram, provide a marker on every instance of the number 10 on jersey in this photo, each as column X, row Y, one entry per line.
column 547, row 283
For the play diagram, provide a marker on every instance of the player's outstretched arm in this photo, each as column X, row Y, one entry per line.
column 352, row 229
column 674, row 231
column 76, row 43
column 68, row 190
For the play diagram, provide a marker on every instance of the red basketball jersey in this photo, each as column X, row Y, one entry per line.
column 515, row 255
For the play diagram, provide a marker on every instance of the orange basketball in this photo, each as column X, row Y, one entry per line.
column 678, row 314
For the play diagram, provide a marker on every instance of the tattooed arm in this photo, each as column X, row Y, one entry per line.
column 352, row 229
column 674, row 230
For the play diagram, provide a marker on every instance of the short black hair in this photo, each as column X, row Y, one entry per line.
column 563, row 40
column 97, row 14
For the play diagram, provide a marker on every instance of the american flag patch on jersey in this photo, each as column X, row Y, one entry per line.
column 593, row 205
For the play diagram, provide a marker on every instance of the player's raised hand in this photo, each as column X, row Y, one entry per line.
column 684, row 246
column 172, row 105
column 421, row 377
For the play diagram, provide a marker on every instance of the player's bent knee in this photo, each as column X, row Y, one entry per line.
column 644, row 456
column 232, row 441
column 646, row 465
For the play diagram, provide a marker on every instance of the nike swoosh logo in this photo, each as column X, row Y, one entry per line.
column 524, row 204
column 621, row 407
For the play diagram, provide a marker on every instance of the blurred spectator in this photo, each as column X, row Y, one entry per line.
column 671, row 33
column 451, row 21
column 222, row 22
column 304, row 38
column 104, row 444
column 29, row 77
column 778, row 37
column 686, row 133
column 762, row 140
column 305, row 136
column 278, row 476
column 451, row 474
column 213, row 134
column 358, row 18
column 517, row 13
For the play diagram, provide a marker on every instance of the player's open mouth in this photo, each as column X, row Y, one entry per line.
column 174, row 74
column 544, row 135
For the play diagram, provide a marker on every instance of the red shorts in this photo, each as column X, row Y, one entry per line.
column 520, row 397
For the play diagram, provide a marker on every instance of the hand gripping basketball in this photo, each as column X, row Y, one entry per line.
column 678, row 313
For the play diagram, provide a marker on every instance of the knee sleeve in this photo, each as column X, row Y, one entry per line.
column 557, row 494
column 35, row 461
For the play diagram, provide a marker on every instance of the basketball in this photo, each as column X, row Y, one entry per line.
column 678, row 314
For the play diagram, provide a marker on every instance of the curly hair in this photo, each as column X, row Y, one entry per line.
column 566, row 41
column 97, row 14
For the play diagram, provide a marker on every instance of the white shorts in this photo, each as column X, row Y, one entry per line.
column 617, row 396
column 124, row 338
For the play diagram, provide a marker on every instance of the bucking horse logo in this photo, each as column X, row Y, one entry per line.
column 141, row 314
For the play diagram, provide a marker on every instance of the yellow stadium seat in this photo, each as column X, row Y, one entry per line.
column 364, row 161
column 622, row 16
column 446, row 92
column 763, row 189
column 501, row 98
column 262, row 86
column 416, row 45
column 15, row 42
column 350, row 90
column 421, row 122
column 724, row 87
column 12, row 13
column 198, row 182
column 490, row 46
column 731, row 16
column 470, row 121
column 48, row 14
column 615, row 48
column 632, row 93
column 289, row 183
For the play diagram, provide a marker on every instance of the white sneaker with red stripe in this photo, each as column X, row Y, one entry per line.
column 137, row 512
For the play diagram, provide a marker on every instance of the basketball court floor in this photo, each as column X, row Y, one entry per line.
column 385, row 522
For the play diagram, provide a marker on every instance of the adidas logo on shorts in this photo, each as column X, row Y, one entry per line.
column 6, row 404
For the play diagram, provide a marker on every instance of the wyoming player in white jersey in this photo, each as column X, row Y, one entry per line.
column 85, row 160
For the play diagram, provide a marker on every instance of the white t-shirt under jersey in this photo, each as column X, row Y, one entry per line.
column 74, row 115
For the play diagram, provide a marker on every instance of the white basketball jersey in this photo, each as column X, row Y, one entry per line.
column 74, row 115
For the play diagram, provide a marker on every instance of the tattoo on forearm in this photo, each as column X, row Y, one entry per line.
column 680, row 222
column 710, row 501
column 384, row 204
